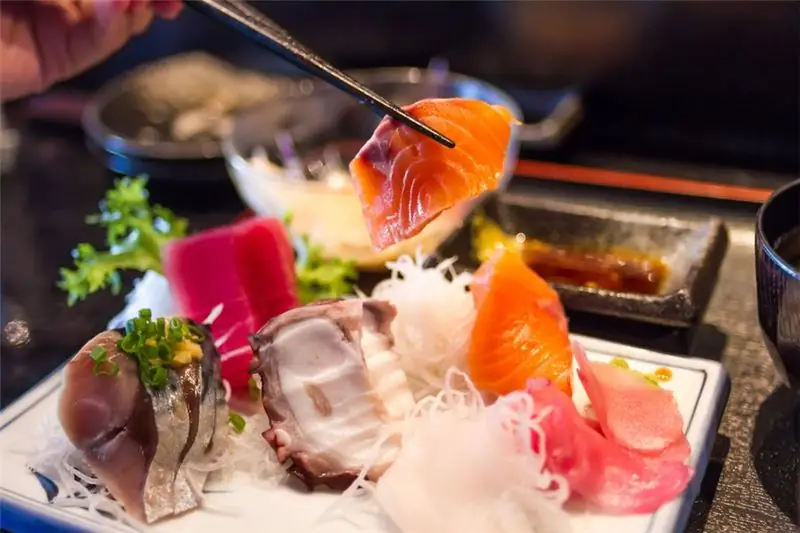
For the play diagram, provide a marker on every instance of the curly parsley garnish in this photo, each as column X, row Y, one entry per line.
column 135, row 232
column 102, row 366
column 155, row 343
column 319, row 278
column 237, row 423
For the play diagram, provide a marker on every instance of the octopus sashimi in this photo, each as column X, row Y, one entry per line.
column 604, row 474
column 326, row 413
column 632, row 411
column 404, row 180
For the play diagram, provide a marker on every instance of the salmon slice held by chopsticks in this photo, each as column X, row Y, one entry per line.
column 404, row 180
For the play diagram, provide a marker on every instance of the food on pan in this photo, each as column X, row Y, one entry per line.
column 445, row 397
column 405, row 180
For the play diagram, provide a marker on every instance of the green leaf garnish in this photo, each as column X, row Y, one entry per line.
column 101, row 365
column 237, row 423
column 153, row 343
column 319, row 278
column 253, row 389
column 135, row 232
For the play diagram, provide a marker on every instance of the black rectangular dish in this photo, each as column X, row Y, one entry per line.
column 691, row 252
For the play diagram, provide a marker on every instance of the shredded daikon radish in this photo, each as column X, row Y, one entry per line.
column 247, row 452
column 467, row 468
column 150, row 291
column 213, row 315
column 57, row 459
column 435, row 315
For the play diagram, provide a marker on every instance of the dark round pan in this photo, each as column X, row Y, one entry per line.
column 129, row 122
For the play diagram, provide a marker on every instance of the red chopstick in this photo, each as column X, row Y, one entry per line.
column 642, row 182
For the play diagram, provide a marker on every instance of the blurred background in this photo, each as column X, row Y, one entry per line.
column 714, row 81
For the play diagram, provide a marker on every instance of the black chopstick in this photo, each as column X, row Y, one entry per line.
column 257, row 26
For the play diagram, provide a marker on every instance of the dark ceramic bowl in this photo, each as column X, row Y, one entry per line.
column 166, row 118
column 778, row 279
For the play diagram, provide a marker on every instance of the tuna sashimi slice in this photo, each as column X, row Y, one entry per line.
column 247, row 267
column 202, row 260
column 604, row 474
column 632, row 411
column 265, row 261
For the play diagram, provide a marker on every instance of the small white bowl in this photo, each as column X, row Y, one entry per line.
column 316, row 116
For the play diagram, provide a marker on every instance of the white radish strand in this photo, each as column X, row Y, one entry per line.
column 466, row 467
column 57, row 459
column 213, row 315
column 435, row 316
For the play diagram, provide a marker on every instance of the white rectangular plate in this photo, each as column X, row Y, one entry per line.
column 700, row 388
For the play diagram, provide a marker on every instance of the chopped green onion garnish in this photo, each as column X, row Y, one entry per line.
column 237, row 423
column 253, row 389
column 101, row 365
column 153, row 344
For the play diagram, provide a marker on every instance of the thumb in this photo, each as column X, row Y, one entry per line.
column 106, row 12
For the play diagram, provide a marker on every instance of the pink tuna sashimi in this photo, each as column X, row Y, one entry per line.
column 603, row 473
column 265, row 257
column 631, row 411
column 247, row 267
column 199, row 270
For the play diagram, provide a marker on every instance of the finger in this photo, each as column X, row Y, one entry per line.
column 107, row 12
column 168, row 9
column 140, row 19
column 69, row 9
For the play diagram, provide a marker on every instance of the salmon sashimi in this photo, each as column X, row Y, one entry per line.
column 604, row 474
column 404, row 180
column 632, row 411
column 520, row 329
column 509, row 261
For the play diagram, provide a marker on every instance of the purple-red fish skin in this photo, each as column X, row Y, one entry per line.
column 111, row 421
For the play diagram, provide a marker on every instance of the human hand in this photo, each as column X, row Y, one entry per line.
column 46, row 41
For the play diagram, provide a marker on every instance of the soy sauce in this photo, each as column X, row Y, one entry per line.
column 620, row 271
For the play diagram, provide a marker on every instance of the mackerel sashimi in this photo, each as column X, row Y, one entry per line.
column 603, row 473
column 247, row 267
column 520, row 330
column 632, row 411
column 404, row 180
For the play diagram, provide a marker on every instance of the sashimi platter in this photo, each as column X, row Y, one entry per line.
column 250, row 383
